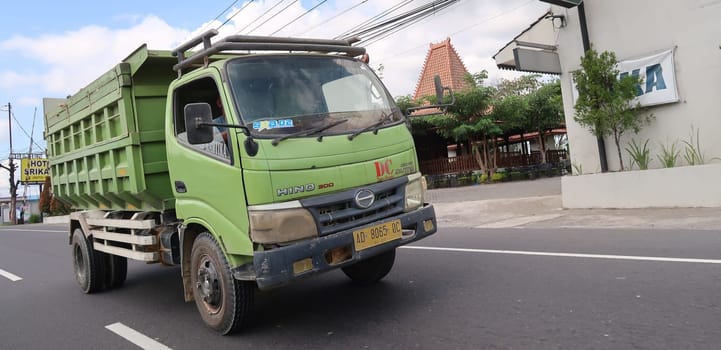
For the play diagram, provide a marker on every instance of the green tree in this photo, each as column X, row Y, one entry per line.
column 405, row 102
column 545, row 111
column 520, row 86
column 468, row 120
column 509, row 113
column 604, row 104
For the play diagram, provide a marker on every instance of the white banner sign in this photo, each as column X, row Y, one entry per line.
column 658, row 78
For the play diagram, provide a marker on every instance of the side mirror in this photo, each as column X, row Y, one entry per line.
column 198, row 116
column 439, row 89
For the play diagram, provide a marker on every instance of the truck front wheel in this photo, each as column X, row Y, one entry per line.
column 371, row 270
column 88, row 265
column 224, row 303
column 116, row 270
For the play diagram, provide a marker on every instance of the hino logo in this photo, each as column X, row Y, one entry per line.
column 364, row 198
column 295, row 189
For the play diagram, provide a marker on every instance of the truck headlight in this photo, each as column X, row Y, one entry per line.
column 415, row 192
column 276, row 224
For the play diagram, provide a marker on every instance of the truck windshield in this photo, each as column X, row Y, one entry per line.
column 284, row 95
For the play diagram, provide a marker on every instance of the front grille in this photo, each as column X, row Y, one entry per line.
column 336, row 212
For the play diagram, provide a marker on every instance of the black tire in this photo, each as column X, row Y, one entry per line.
column 224, row 303
column 116, row 270
column 371, row 270
column 88, row 265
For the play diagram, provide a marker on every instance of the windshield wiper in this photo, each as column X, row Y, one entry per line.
column 375, row 126
column 308, row 132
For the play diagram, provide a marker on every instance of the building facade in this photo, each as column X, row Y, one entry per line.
column 674, row 47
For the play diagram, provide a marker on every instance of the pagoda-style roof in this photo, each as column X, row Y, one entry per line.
column 442, row 60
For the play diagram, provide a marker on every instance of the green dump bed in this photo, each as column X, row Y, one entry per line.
column 106, row 143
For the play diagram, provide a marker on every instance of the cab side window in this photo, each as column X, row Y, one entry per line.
column 203, row 90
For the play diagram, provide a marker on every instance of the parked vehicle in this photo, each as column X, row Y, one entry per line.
column 251, row 163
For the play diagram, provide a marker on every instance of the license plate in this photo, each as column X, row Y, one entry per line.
column 375, row 235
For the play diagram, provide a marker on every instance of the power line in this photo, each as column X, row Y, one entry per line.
column 487, row 19
column 333, row 17
column 218, row 16
column 403, row 20
column 297, row 18
column 403, row 25
column 374, row 18
column 235, row 14
column 383, row 26
column 261, row 16
column 23, row 129
column 273, row 16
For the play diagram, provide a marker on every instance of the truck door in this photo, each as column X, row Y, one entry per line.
column 207, row 179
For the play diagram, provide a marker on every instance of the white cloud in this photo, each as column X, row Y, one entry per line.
column 75, row 58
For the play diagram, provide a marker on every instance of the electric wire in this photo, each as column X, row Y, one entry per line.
column 374, row 18
column 383, row 27
column 261, row 16
column 297, row 18
column 218, row 16
column 484, row 20
column 402, row 21
column 17, row 122
column 273, row 16
column 403, row 25
column 333, row 17
column 235, row 14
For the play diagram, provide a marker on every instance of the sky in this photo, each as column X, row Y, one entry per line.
column 55, row 49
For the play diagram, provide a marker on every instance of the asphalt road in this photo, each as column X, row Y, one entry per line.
column 467, row 289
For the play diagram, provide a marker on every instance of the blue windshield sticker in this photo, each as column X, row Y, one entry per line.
column 272, row 124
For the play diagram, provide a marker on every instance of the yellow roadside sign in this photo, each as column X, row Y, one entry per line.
column 33, row 170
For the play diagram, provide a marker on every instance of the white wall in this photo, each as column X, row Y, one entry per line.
column 634, row 29
column 687, row 186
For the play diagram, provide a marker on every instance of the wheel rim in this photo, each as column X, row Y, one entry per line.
column 208, row 285
column 79, row 263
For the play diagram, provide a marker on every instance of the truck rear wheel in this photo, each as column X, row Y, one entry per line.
column 224, row 303
column 371, row 270
column 88, row 265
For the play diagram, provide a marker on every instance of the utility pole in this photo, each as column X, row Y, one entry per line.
column 11, row 168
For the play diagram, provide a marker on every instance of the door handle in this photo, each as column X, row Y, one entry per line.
column 180, row 187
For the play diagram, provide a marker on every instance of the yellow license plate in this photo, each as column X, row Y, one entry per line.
column 372, row 236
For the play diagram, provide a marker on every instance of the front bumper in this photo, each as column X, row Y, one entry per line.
column 275, row 267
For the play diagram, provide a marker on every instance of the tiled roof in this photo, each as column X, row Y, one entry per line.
column 443, row 60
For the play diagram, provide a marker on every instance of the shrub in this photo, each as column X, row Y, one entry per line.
column 497, row 177
column 35, row 219
column 669, row 155
column 692, row 151
column 640, row 155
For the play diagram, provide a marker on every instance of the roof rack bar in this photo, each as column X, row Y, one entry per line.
column 242, row 43
column 202, row 38
column 282, row 40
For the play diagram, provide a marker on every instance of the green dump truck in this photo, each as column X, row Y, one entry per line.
column 250, row 162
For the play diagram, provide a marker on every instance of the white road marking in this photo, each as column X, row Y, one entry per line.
column 24, row 230
column 10, row 276
column 135, row 337
column 570, row 255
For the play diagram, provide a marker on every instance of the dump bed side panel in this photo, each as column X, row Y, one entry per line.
column 106, row 143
